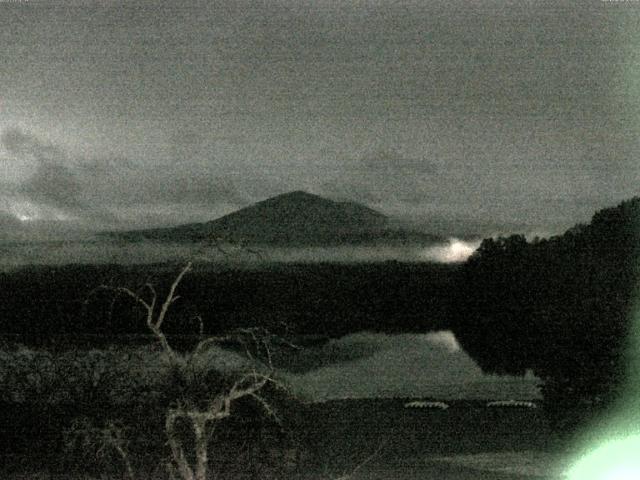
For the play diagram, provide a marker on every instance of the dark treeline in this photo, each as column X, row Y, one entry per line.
column 561, row 306
column 37, row 303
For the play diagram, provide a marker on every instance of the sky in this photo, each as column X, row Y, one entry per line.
column 136, row 114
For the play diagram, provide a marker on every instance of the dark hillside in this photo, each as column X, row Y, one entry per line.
column 293, row 219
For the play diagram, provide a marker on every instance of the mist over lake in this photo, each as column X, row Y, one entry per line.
column 16, row 254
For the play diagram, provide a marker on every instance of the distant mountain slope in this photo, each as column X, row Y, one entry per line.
column 298, row 217
column 291, row 219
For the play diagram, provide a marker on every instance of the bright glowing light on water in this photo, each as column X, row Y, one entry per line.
column 615, row 460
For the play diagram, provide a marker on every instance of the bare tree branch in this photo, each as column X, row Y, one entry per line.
column 202, row 421
column 171, row 296
column 347, row 476
column 209, row 341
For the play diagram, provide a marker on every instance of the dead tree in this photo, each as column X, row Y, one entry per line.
column 202, row 416
column 201, row 420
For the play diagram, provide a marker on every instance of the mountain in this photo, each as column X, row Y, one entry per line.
column 292, row 219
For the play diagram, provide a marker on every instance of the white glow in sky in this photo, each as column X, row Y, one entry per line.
column 27, row 211
column 445, row 338
column 455, row 251
column 459, row 251
column 24, row 211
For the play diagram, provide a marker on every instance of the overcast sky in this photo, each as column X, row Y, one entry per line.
column 137, row 114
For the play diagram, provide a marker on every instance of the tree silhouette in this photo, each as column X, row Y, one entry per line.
column 559, row 306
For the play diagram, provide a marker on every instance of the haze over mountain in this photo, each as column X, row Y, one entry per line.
column 296, row 218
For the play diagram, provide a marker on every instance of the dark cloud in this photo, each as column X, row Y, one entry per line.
column 121, row 182
column 189, row 188
column 8, row 223
column 97, row 190
column 15, row 141
column 53, row 183
column 187, row 143
column 385, row 176
column 19, row 143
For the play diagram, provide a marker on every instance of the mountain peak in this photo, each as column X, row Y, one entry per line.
column 292, row 219
column 294, row 196
column 297, row 194
column 298, row 218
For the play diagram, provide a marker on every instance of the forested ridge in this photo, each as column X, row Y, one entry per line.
column 560, row 306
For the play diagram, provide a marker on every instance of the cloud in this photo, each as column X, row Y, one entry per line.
column 21, row 144
column 10, row 226
column 193, row 188
column 114, row 191
column 486, row 95
column 385, row 176
column 178, row 189
column 392, row 162
column 52, row 184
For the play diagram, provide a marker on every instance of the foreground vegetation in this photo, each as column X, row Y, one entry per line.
column 184, row 401
column 69, row 412
column 194, row 415
column 64, row 410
